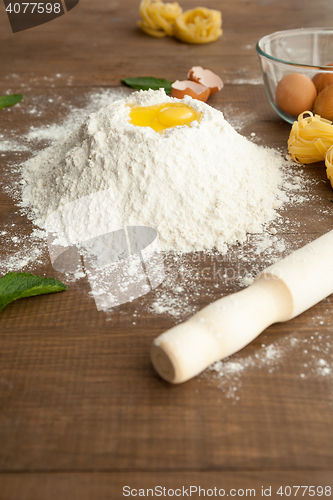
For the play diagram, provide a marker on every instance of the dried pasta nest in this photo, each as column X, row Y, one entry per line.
column 311, row 140
column 200, row 25
column 329, row 165
column 158, row 18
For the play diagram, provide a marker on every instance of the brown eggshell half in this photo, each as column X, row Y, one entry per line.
column 206, row 78
column 197, row 91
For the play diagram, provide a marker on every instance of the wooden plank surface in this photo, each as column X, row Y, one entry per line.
column 82, row 413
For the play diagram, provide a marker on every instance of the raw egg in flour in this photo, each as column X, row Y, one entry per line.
column 163, row 116
column 295, row 93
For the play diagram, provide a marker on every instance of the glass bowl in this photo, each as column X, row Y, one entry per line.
column 307, row 51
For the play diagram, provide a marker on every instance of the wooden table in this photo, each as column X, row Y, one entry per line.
column 82, row 412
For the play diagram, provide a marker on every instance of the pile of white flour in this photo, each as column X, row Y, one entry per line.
column 200, row 187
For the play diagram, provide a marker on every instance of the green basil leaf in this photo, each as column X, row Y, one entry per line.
column 10, row 100
column 148, row 82
column 15, row 286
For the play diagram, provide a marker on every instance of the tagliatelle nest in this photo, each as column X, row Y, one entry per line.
column 200, row 25
column 329, row 165
column 158, row 18
column 311, row 140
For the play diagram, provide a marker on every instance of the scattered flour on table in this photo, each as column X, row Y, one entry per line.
column 23, row 251
column 240, row 119
column 179, row 294
column 315, row 361
column 50, row 133
column 57, row 132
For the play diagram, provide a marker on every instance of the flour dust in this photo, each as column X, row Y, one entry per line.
column 190, row 277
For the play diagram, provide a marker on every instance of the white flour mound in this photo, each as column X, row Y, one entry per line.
column 200, row 187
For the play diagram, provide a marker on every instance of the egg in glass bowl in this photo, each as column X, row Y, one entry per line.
column 297, row 69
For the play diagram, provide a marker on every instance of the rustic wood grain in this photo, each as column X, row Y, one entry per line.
column 82, row 412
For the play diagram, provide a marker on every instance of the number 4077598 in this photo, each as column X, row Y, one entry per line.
column 31, row 8
column 301, row 491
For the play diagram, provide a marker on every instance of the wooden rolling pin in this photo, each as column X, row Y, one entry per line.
column 281, row 292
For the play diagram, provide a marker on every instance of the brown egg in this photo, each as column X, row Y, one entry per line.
column 295, row 93
column 206, row 78
column 323, row 104
column 315, row 80
column 186, row 87
column 322, row 80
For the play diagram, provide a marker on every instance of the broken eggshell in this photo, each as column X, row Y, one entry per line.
column 186, row 87
column 206, row 78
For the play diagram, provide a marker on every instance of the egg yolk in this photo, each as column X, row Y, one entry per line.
column 163, row 116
